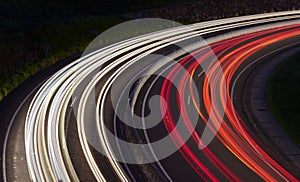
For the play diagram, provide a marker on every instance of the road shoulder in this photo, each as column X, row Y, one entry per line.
column 262, row 113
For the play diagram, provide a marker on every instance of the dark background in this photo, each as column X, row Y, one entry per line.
column 35, row 34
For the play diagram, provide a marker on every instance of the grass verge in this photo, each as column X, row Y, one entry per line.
column 283, row 96
column 23, row 54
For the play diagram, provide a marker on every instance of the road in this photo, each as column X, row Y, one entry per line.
column 190, row 131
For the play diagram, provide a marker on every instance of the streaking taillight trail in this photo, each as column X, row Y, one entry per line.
column 232, row 133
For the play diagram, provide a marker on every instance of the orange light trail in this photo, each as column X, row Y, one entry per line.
column 232, row 133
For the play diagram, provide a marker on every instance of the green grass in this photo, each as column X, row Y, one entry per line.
column 283, row 95
column 24, row 54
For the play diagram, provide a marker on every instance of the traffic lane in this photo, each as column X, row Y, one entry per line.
column 74, row 148
column 216, row 147
column 241, row 101
column 120, row 115
column 159, row 131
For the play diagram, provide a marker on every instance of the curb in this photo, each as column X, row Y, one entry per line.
column 262, row 112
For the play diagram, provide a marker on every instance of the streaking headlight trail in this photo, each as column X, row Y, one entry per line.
column 160, row 105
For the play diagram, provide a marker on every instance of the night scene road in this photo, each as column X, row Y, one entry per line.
column 164, row 106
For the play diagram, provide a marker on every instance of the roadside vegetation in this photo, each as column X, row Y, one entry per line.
column 283, row 95
column 35, row 34
column 23, row 54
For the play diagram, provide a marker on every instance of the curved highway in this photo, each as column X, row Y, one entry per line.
column 162, row 106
